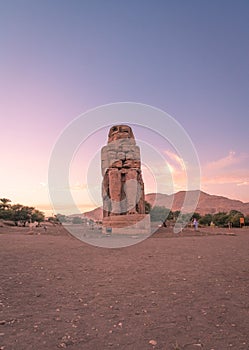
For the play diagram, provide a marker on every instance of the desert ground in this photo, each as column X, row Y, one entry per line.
column 172, row 292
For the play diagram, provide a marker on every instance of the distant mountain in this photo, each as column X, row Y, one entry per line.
column 207, row 204
column 95, row 214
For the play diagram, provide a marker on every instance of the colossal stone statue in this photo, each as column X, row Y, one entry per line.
column 122, row 187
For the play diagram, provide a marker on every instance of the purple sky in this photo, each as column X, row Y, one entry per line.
column 60, row 58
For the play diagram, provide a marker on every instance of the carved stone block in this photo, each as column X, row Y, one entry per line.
column 122, row 186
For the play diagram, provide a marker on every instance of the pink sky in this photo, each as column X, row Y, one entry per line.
column 60, row 60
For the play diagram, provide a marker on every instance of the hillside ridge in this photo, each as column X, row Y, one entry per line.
column 207, row 203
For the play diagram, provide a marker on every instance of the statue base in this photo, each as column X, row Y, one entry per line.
column 127, row 224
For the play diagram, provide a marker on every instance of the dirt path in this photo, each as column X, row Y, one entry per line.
column 164, row 293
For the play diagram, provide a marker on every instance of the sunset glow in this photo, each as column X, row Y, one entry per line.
column 60, row 59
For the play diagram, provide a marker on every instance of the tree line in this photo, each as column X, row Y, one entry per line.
column 18, row 213
column 222, row 219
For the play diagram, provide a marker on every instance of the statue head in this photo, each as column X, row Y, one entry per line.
column 120, row 132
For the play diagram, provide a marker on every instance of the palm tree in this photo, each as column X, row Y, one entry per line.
column 4, row 203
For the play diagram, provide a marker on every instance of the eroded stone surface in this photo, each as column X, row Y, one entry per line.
column 122, row 187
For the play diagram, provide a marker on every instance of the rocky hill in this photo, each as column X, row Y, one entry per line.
column 95, row 214
column 207, row 203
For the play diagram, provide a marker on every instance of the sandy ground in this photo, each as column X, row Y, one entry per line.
column 170, row 292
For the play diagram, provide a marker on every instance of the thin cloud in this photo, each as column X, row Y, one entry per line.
column 170, row 176
column 231, row 169
column 231, row 159
column 245, row 183
column 224, row 179
column 175, row 159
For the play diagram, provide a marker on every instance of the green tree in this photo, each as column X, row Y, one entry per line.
column 235, row 220
column 16, row 213
column 53, row 219
column 147, row 207
column 220, row 219
column 21, row 214
column 184, row 217
column 247, row 220
column 77, row 220
column 234, row 217
column 174, row 215
column 206, row 219
column 159, row 213
column 37, row 216
column 196, row 216
column 4, row 203
column 61, row 218
column 5, row 212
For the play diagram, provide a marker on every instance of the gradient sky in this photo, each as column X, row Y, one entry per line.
column 61, row 58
